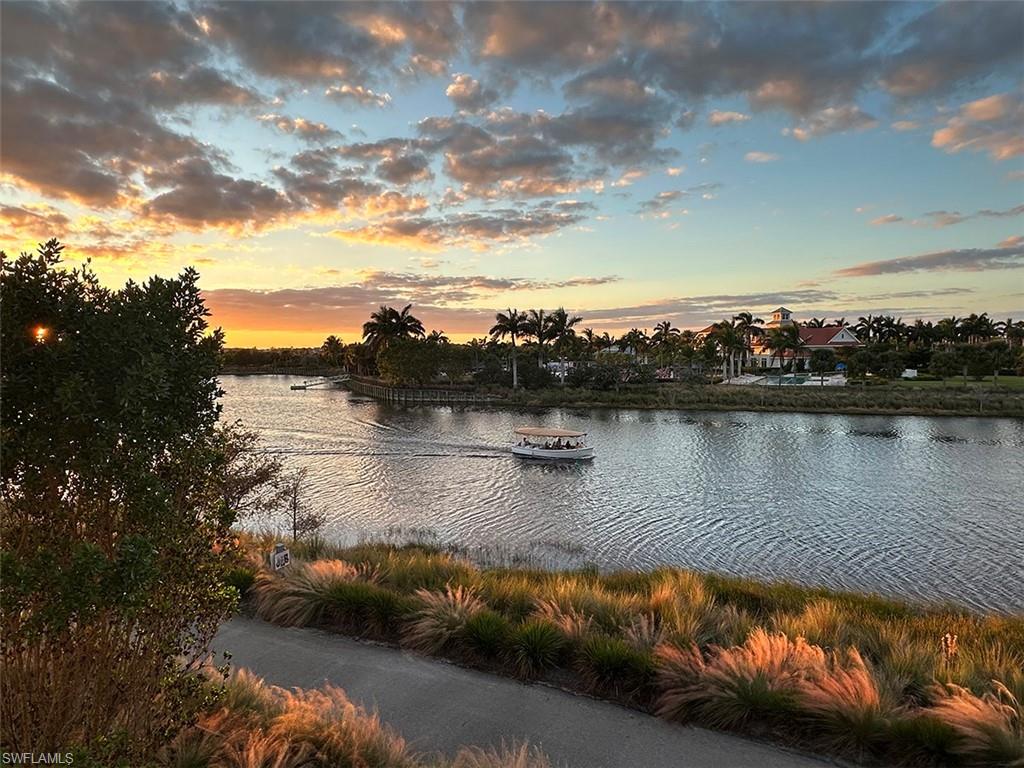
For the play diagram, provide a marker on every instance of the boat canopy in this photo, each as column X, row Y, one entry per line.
column 547, row 432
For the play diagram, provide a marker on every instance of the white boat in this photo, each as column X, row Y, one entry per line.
column 551, row 444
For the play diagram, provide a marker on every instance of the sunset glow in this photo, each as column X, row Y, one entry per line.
column 633, row 163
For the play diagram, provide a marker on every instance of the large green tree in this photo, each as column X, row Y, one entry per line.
column 116, row 516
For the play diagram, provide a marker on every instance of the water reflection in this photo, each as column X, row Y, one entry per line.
column 928, row 508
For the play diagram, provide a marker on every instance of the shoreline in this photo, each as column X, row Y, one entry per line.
column 882, row 400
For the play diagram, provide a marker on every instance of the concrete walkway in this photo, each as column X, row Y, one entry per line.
column 439, row 707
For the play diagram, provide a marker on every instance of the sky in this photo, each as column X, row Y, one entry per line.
column 630, row 162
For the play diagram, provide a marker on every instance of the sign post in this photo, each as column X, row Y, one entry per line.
column 280, row 557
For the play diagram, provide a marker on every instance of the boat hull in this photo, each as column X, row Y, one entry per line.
column 553, row 454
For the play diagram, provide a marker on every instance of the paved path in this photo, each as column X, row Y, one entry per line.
column 440, row 707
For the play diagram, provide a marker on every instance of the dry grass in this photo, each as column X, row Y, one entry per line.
column 990, row 728
column 259, row 726
column 298, row 596
column 441, row 618
column 515, row 756
column 758, row 679
column 847, row 710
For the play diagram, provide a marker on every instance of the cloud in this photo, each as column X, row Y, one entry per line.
column 660, row 203
column 949, row 218
column 675, row 170
column 200, row 196
column 717, row 118
column 359, row 94
column 405, row 169
column 477, row 230
column 848, row 117
column 304, row 129
column 939, row 219
column 953, row 44
column 467, row 93
column 761, row 157
column 348, row 45
column 1003, row 256
column 991, row 125
column 905, row 125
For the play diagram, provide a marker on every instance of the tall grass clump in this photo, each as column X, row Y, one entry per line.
column 613, row 666
column 989, row 727
column 757, row 680
column 535, row 647
column 441, row 618
column 843, row 703
column 301, row 595
column 507, row 756
column 486, row 633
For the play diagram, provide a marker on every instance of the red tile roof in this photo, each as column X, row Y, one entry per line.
column 820, row 337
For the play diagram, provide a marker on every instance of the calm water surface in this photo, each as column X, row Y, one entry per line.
column 926, row 508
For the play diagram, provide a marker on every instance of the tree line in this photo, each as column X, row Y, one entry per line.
column 396, row 346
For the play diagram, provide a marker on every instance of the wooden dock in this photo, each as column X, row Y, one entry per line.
column 323, row 381
column 380, row 391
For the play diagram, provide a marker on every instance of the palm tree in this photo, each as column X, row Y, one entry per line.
column 750, row 327
column 591, row 338
column 560, row 331
column 539, row 326
column 512, row 324
column 730, row 340
column 438, row 337
column 840, row 322
column 816, row 322
column 948, row 329
column 664, row 333
column 636, row 339
column 388, row 324
column 332, row 351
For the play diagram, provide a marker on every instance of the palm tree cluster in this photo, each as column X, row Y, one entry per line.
column 388, row 324
column 973, row 329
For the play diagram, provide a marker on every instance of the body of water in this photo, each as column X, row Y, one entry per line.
column 926, row 508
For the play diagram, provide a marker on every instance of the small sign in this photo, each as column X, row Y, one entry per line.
column 280, row 557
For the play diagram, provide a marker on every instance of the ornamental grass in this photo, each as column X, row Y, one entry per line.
column 857, row 676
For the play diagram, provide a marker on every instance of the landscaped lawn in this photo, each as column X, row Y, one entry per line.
column 1005, row 382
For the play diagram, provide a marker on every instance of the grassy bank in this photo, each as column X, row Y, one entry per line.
column 253, row 725
column 950, row 400
column 854, row 675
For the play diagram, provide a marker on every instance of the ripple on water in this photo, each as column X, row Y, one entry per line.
column 924, row 508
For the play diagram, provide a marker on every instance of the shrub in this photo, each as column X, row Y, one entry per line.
column 612, row 665
column 486, row 632
column 114, row 527
column 535, row 647
column 441, row 618
column 241, row 578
